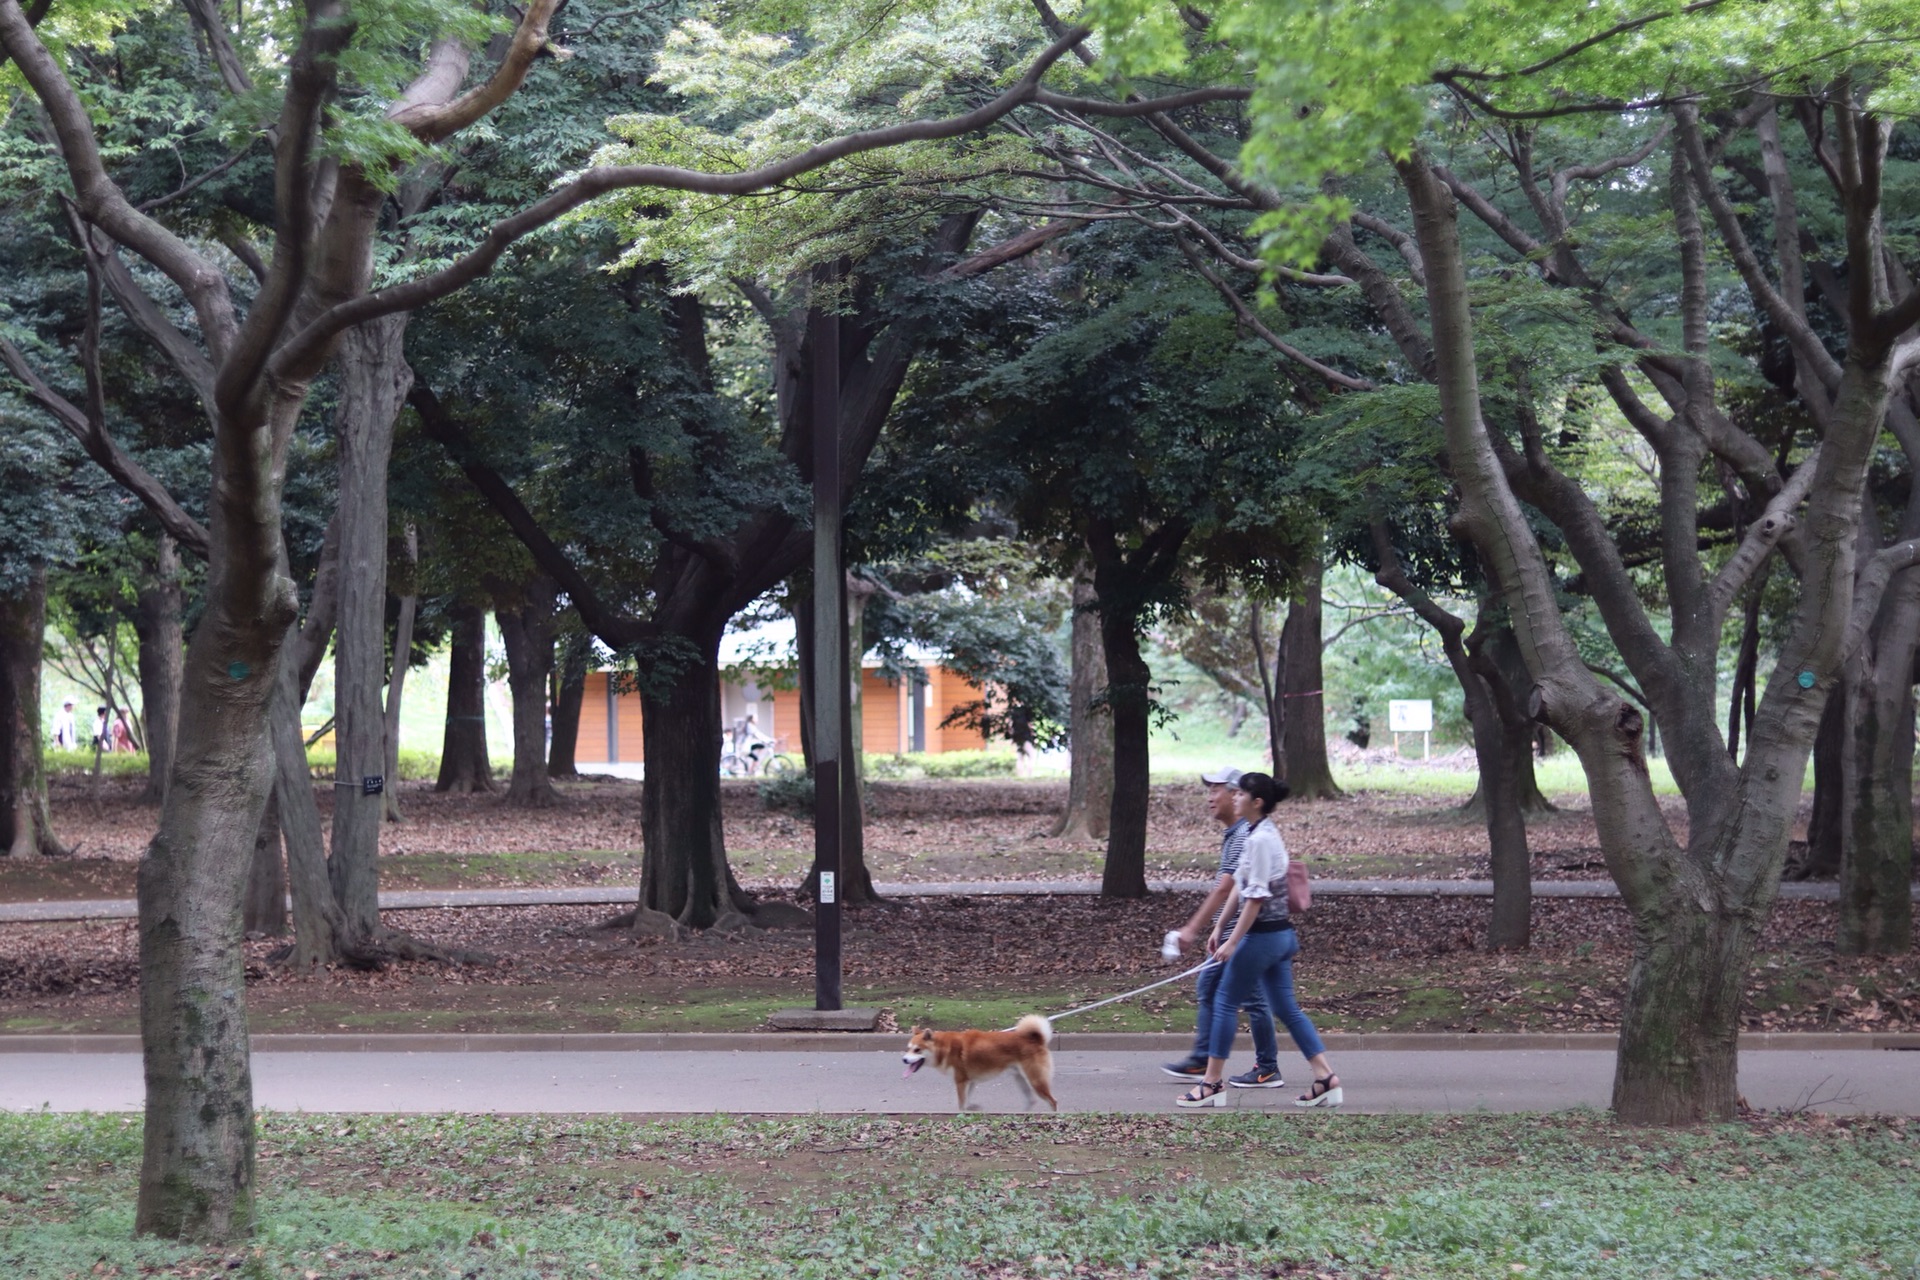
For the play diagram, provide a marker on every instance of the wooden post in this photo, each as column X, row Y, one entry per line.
column 831, row 695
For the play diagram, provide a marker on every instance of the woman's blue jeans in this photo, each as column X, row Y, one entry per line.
column 1263, row 960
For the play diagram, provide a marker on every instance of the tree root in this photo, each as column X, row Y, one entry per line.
column 385, row 947
column 541, row 797
column 647, row 922
column 404, row 946
column 734, row 924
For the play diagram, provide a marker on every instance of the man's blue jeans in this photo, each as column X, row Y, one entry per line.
column 1266, row 1045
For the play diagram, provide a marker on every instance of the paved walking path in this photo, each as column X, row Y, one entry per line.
column 863, row 1079
column 626, row 895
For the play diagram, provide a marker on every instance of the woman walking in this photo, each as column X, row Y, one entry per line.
column 1260, row 953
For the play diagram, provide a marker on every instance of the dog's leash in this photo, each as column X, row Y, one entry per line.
column 1128, row 995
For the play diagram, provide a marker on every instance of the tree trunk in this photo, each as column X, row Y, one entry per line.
column 1493, row 718
column 26, row 820
column 1309, row 775
column 1129, row 701
column 801, row 606
column 1090, row 727
column 527, row 630
column 398, row 663
column 265, row 912
column 320, row 934
column 157, row 622
column 1680, row 1022
column 1501, row 662
column 1272, row 701
column 1695, row 908
column 196, row 1176
column 374, row 380
column 575, row 651
column 1825, row 837
column 684, row 878
column 1504, row 748
column 1876, row 869
column 856, row 882
column 1746, row 667
column 463, row 752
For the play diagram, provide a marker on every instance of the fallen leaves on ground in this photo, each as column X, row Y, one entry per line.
column 1367, row 963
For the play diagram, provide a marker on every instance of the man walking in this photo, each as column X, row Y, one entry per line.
column 1265, row 1073
column 66, row 734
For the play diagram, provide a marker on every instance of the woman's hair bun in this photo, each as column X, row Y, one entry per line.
column 1265, row 788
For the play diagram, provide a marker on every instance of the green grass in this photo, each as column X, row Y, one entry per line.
column 113, row 764
column 414, row 765
column 1227, row 1194
column 1558, row 775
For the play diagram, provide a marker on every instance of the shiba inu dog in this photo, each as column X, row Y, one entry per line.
column 976, row 1055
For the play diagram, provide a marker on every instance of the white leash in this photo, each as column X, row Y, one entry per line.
column 1128, row 995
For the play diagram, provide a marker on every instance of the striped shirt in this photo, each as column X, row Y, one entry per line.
column 1232, row 843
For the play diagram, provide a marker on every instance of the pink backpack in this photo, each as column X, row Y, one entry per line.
column 1299, row 892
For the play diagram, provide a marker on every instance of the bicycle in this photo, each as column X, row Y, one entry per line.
column 761, row 757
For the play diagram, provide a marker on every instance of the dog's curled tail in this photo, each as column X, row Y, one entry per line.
column 1034, row 1024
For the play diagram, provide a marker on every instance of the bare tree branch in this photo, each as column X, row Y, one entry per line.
column 1871, row 585
column 440, row 425
column 1246, row 316
column 311, row 76
column 181, row 351
column 1791, row 319
column 1774, row 523
column 233, row 73
column 424, row 109
column 301, row 347
column 1009, row 250
column 1140, row 107
column 1403, row 242
column 100, row 198
column 106, row 451
column 194, row 183
column 1575, row 49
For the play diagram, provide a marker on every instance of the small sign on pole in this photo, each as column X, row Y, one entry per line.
column 1412, row 715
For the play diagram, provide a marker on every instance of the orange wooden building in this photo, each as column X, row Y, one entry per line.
column 896, row 715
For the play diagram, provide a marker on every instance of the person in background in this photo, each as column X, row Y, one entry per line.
column 101, row 737
column 1259, row 952
column 1265, row 1072
column 66, row 734
column 123, row 733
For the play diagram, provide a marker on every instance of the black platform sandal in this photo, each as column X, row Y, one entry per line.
column 1325, row 1093
column 1207, row 1093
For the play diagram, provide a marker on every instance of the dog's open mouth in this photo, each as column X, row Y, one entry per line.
column 913, row 1065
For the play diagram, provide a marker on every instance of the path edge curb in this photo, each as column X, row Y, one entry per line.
column 879, row 1041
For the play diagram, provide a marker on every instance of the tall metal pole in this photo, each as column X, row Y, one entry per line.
column 830, row 693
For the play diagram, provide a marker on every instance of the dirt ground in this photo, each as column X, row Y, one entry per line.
column 916, row 831
column 1368, row 964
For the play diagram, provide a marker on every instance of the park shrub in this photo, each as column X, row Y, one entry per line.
column 790, row 793
column 963, row 764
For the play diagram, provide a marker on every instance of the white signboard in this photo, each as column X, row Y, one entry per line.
column 1410, row 716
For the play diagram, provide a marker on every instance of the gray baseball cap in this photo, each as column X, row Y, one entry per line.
column 1222, row 777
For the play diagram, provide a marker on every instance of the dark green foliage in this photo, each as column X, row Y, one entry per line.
column 790, row 794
